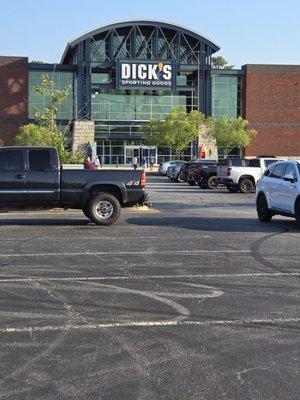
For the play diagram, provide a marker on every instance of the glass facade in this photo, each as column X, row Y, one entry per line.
column 40, row 101
column 224, row 96
column 138, row 105
column 121, row 152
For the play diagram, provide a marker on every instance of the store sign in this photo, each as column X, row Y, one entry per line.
column 144, row 74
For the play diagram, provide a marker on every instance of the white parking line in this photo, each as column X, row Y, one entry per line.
column 111, row 253
column 141, row 277
column 147, row 324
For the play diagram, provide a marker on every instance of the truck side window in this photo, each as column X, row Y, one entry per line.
column 11, row 160
column 39, row 160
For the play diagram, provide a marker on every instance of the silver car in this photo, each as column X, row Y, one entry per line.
column 163, row 167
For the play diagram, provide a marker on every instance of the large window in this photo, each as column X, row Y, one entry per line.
column 11, row 160
column 224, row 96
column 138, row 104
column 39, row 101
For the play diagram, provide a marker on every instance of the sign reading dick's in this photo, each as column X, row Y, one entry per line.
column 145, row 74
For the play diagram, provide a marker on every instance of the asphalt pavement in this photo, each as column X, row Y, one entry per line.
column 194, row 299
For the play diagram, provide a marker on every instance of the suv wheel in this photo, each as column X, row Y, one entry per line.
column 263, row 212
column 180, row 177
column 246, row 185
column 212, row 182
column 104, row 209
column 232, row 188
column 297, row 213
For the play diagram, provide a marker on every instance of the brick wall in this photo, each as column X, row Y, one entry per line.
column 271, row 104
column 13, row 96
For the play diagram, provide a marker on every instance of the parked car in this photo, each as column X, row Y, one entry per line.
column 174, row 171
column 224, row 167
column 163, row 167
column 278, row 191
column 197, row 164
column 205, row 175
column 244, row 178
column 31, row 177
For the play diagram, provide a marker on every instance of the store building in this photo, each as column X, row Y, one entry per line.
column 122, row 75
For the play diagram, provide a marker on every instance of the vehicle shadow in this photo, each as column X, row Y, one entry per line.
column 216, row 224
column 29, row 221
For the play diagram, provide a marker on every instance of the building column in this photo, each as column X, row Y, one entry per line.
column 83, row 135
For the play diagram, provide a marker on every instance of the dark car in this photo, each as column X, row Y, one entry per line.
column 31, row 177
column 173, row 171
column 190, row 176
column 205, row 175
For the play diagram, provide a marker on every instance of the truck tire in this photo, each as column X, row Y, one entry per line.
column 212, row 182
column 104, row 209
column 232, row 188
column 202, row 184
column 246, row 185
column 263, row 212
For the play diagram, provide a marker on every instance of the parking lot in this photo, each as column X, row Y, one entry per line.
column 193, row 300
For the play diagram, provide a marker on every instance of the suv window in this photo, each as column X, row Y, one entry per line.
column 268, row 171
column 278, row 171
column 11, row 160
column 39, row 160
column 254, row 163
column 290, row 170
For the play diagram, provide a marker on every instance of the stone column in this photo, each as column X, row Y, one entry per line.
column 209, row 143
column 83, row 134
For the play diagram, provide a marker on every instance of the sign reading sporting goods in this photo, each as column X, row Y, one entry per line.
column 145, row 74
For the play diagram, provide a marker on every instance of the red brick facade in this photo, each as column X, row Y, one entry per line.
column 13, row 96
column 271, row 103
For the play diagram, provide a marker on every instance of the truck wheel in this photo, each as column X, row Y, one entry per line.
column 246, row 185
column 212, row 182
column 202, row 185
column 104, row 209
column 191, row 183
column 263, row 212
column 297, row 213
column 232, row 188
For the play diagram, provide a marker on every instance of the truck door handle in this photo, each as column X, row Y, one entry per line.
column 20, row 176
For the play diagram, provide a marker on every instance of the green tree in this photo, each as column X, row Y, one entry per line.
column 46, row 132
column 230, row 132
column 219, row 62
column 176, row 131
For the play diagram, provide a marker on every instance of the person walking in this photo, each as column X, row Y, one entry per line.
column 151, row 162
column 134, row 162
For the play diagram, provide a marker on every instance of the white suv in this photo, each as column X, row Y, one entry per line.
column 278, row 191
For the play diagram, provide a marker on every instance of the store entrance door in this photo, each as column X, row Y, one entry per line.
column 140, row 152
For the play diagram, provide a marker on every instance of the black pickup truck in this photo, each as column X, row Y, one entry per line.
column 31, row 177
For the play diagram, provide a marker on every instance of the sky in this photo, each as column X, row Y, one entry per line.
column 248, row 32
